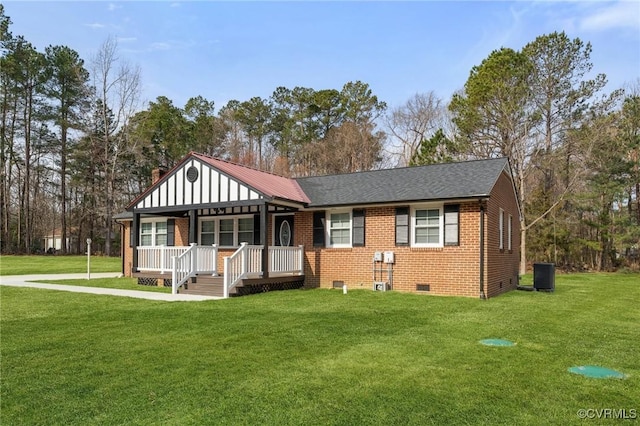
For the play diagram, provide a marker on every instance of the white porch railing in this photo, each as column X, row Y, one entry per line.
column 286, row 260
column 183, row 268
column 157, row 258
column 189, row 261
column 246, row 262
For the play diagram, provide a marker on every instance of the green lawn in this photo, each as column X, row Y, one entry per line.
column 123, row 283
column 317, row 357
column 58, row 264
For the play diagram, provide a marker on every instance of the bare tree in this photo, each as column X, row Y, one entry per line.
column 117, row 88
column 419, row 118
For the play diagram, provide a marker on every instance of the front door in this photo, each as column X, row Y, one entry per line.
column 283, row 230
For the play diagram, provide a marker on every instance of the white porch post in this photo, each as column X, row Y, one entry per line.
column 174, row 275
column 194, row 258
column 264, row 236
column 243, row 258
column 163, row 250
column 226, row 277
column 215, row 260
column 301, row 259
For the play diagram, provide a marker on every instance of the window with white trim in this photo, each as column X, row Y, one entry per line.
column 501, row 230
column 153, row 233
column 245, row 230
column 225, row 235
column 339, row 229
column 509, row 232
column 227, row 231
column 426, row 226
column 207, row 232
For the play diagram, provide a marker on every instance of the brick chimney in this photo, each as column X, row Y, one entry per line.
column 156, row 174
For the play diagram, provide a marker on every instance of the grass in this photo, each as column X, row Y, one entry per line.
column 120, row 283
column 319, row 357
column 34, row 265
column 58, row 264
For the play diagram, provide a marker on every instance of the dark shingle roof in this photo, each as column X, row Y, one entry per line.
column 434, row 182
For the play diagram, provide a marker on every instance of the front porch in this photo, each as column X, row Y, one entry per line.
column 200, row 269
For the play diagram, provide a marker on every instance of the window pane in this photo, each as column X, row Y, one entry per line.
column 226, row 239
column 421, row 218
column 245, row 237
column 501, row 229
column 340, row 220
column 421, row 235
column 427, row 217
column 145, row 228
column 226, row 225
column 226, row 232
column 340, row 236
column 427, row 235
column 340, row 229
column 161, row 227
column 245, row 230
column 207, row 232
column 434, row 217
column 208, row 226
column 145, row 240
column 245, row 224
column 433, row 235
column 161, row 239
column 207, row 239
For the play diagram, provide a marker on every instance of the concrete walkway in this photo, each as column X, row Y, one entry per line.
column 31, row 281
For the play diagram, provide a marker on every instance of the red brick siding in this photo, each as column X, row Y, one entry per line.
column 181, row 231
column 448, row 270
column 128, row 251
column 502, row 265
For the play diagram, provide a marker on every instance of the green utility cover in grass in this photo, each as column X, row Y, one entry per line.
column 596, row 372
column 497, row 342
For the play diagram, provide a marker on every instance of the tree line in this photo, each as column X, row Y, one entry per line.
column 77, row 143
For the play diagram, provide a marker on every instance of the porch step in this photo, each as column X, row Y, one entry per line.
column 205, row 286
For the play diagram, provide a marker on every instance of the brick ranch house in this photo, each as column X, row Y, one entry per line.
column 209, row 226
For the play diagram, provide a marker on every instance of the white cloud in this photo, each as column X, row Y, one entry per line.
column 95, row 25
column 622, row 14
column 126, row 39
column 113, row 6
column 160, row 46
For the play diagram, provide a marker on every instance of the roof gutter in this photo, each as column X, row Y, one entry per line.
column 394, row 203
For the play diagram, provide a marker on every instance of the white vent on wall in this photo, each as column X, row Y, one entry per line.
column 380, row 286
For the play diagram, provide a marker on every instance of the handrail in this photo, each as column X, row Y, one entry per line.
column 183, row 267
column 244, row 261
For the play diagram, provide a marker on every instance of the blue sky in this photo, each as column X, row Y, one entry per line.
column 237, row 50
